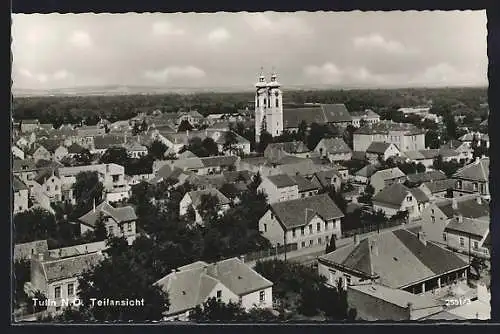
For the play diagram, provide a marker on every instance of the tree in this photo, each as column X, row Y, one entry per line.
column 87, row 189
column 157, row 150
column 332, row 246
column 451, row 126
column 432, row 139
column 117, row 155
column 22, row 269
column 229, row 142
column 35, row 224
column 100, row 231
column 229, row 190
column 84, row 157
column 265, row 139
column 216, row 310
column 420, row 168
column 316, row 133
column 184, row 126
column 120, row 276
column 210, row 146
column 301, row 133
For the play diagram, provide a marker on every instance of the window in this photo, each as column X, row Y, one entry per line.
column 444, row 236
column 474, row 186
column 475, row 245
column 462, row 242
column 258, row 102
column 459, row 184
column 110, row 229
column 116, row 178
column 293, row 233
column 56, row 187
column 262, row 296
column 302, row 230
column 265, row 227
column 57, row 292
column 432, row 211
column 302, row 195
column 219, row 294
column 318, row 227
column 310, row 229
column 48, row 188
column 265, row 102
column 71, row 289
column 433, row 219
column 348, row 279
column 408, row 198
column 311, row 242
column 303, row 244
column 277, row 101
column 320, row 241
column 130, row 227
column 272, row 215
column 326, row 226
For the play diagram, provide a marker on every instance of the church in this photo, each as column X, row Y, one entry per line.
column 270, row 116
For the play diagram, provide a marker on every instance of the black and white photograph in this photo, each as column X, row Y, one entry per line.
column 265, row 167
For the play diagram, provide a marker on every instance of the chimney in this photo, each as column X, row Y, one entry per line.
column 479, row 200
column 410, row 310
column 454, row 204
column 173, row 271
column 477, row 160
column 40, row 256
column 242, row 258
column 374, row 248
column 93, row 210
column 356, row 240
column 187, row 133
column 422, row 238
column 107, row 168
column 460, row 218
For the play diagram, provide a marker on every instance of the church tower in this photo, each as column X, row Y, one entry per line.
column 261, row 100
column 268, row 107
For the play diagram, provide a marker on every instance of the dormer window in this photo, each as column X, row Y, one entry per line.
column 408, row 198
column 459, row 184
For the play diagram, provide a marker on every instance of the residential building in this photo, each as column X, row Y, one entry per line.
column 58, row 278
column 380, row 150
column 27, row 250
column 21, row 195
column 136, row 150
column 60, row 152
column 17, row 152
column 396, row 198
column 193, row 117
column 427, row 176
column 29, row 125
column 478, row 137
column 227, row 280
column 193, row 199
column 305, row 186
column 201, row 166
column 386, row 177
column 39, row 152
column 279, row 188
column 119, row 221
column 375, row 302
column 420, row 111
column 396, row 259
column 334, row 149
column 306, row 222
column 50, row 183
column 74, row 149
column 364, row 175
column 473, row 178
column 438, row 189
column 462, row 148
column 275, row 151
column 327, row 178
column 405, row 136
column 364, row 117
column 289, row 165
column 102, row 143
column 468, row 235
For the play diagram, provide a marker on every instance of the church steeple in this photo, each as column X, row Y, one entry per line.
column 261, row 83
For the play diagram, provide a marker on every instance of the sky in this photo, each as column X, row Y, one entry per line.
column 338, row 49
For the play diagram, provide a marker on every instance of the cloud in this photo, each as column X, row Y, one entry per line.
column 80, row 39
column 446, row 74
column 175, row 72
column 328, row 73
column 165, row 28
column 376, row 41
column 44, row 77
column 331, row 74
column 218, row 35
column 284, row 25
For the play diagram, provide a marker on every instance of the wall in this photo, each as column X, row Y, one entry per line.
column 21, row 200
column 304, row 241
column 53, row 188
column 253, row 299
column 453, row 241
column 273, row 232
column 434, row 228
column 339, row 156
column 370, row 308
column 333, row 275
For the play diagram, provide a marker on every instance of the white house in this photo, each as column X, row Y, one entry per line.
column 21, row 195
column 380, row 150
column 227, row 280
column 307, row 222
column 397, row 197
column 386, row 177
column 279, row 188
column 193, row 199
column 335, row 149
column 17, row 152
column 367, row 117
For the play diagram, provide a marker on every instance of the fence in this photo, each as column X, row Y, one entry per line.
column 367, row 228
column 274, row 251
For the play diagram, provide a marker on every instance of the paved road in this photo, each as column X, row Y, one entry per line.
column 309, row 254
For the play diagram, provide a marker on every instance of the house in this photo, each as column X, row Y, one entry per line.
column 396, row 198
column 289, row 165
column 58, row 278
column 437, row 215
column 306, row 222
column 332, row 114
column 473, row 178
column 39, row 152
column 364, row 175
column 50, row 183
column 85, row 135
column 420, row 111
column 74, row 149
column 396, row 259
column 327, row 178
column 468, row 235
column 29, row 125
column 136, row 150
column 24, row 169
column 448, row 154
column 22, row 142
column 427, row 176
column 227, row 280
column 405, row 136
column 17, row 152
column 119, row 221
column 364, row 117
column 275, row 151
column 437, row 189
column 380, row 150
column 193, row 199
column 375, row 302
column 166, row 172
column 463, row 149
column 21, row 195
column 201, row 166
column 477, row 137
column 60, row 152
column 425, row 157
column 386, row 177
column 279, row 188
column 103, row 143
column 193, row 117
column 119, row 126
column 26, row 250
column 335, row 149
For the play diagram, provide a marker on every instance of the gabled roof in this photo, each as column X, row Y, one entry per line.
column 292, row 117
column 325, row 177
column 419, row 195
column 378, row 147
column 50, row 145
column 398, row 258
column 120, row 214
column 439, row 185
column 303, row 183
column 166, row 172
column 192, row 284
column 393, row 195
column 475, row 227
column 107, row 141
column 478, row 170
column 282, row 180
column 389, row 173
column 18, row 185
column 448, row 152
column 219, row 161
column 452, row 144
column 336, row 113
column 299, row 212
column 70, row 267
column 23, row 165
column 186, row 154
column 335, row 145
column 469, row 208
column 75, row 149
column 44, row 174
column 384, row 127
column 196, row 196
column 368, row 113
column 428, row 176
column 291, row 147
column 429, row 154
column 368, row 170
